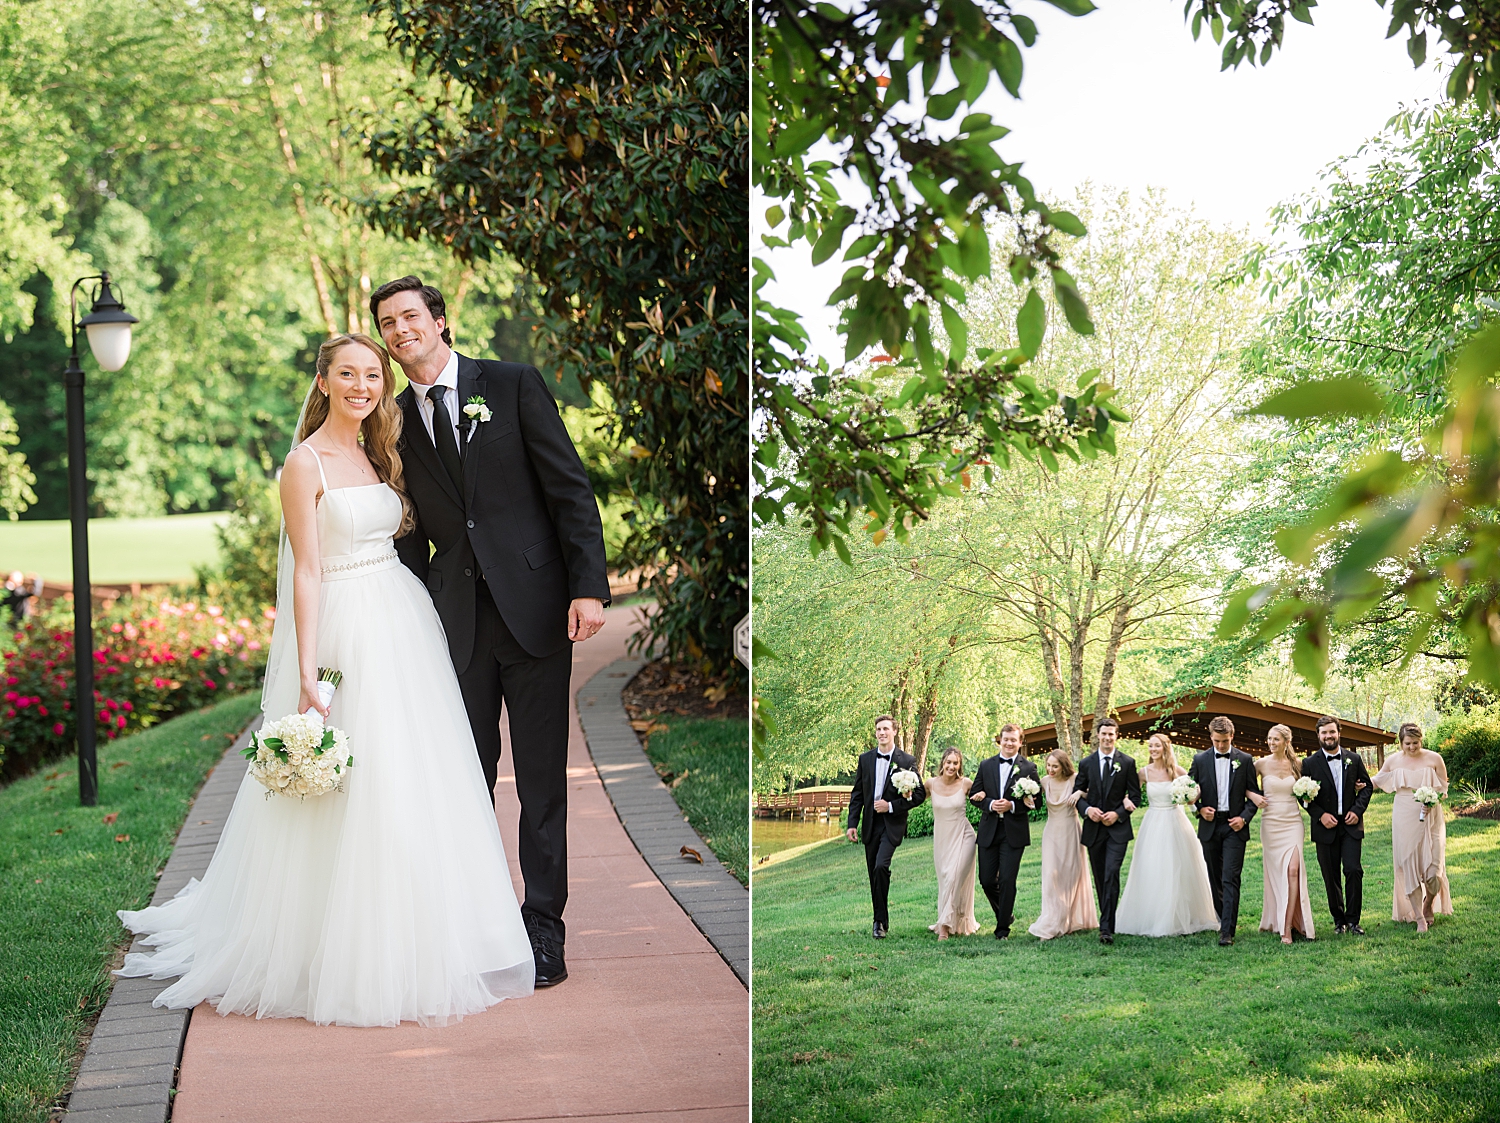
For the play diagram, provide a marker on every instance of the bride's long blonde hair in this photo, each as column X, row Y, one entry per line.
column 1168, row 755
column 1280, row 737
column 380, row 432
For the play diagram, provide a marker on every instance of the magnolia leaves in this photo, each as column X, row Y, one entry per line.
column 1410, row 531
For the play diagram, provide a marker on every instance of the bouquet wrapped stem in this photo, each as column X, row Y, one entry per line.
column 1427, row 797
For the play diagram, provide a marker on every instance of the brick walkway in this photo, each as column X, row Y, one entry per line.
column 651, row 1024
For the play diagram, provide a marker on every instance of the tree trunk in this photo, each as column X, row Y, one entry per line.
column 1111, row 654
column 926, row 716
column 1053, row 668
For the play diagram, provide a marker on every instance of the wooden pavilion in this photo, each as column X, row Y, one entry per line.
column 1186, row 720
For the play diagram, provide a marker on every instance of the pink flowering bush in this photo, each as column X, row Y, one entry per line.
column 152, row 660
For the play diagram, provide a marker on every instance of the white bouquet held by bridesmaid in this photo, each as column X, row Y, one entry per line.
column 1026, row 788
column 1185, row 790
column 1305, row 790
column 1427, row 797
column 298, row 755
column 905, row 782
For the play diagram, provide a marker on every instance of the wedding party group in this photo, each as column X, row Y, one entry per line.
column 442, row 552
column 1190, row 843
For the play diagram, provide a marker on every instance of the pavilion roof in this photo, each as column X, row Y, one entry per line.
column 1186, row 718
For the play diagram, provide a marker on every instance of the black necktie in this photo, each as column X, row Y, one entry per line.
column 442, row 437
column 1106, row 768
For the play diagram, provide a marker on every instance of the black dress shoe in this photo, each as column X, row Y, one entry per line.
column 1226, row 941
column 1355, row 929
column 999, row 935
column 548, row 954
column 1106, row 937
column 878, row 931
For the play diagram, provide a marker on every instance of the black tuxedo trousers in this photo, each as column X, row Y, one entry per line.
column 1106, row 856
column 880, row 848
column 1339, row 854
column 999, row 865
column 1224, row 854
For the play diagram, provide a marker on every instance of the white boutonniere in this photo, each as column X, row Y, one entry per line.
column 1234, row 766
column 1348, row 763
column 477, row 409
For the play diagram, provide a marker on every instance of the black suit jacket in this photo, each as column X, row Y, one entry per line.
column 862, row 798
column 1241, row 780
column 526, row 518
column 1015, row 823
column 1356, row 799
column 1124, row 782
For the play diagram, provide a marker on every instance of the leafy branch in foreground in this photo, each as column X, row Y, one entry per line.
column 1415, row 527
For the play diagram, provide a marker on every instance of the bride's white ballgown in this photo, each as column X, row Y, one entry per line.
column 1167, row 892
column 390, row 901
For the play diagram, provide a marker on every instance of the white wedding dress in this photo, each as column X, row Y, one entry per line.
column 390, row 901
column 1167, row 892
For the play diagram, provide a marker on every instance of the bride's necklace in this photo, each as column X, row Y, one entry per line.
column 363, row 471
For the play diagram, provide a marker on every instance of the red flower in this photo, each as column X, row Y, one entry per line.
column 57, row 730
column 126, row 706
column 111, row 704
column 208, row 682
column 43, row 711
column 121, row 722
column 11, row 695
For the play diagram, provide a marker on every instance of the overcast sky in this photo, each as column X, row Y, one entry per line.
column 1125, row 97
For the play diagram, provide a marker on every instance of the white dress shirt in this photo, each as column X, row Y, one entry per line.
column 882, row 770
column 1007, row 765
column 1221, row 778
column 1336, row 767
column 448, row 380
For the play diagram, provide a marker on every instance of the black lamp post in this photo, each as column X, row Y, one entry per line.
column 108, row 329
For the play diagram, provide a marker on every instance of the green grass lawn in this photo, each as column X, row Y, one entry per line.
column 151, row 551
column 1391, row 1027
column 710, row 755
column 63, row 875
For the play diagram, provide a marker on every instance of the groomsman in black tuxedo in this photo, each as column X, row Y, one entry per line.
column 1111, row 790
column 1004, row 830
column 883, row 809
column 1224, row 774
column 1338, row 822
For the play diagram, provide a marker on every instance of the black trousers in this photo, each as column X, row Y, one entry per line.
column 998, row 867
column 879, row 850
column 535, row 693
column 1224, row 854
column 1106, row 856
column 1340, row 855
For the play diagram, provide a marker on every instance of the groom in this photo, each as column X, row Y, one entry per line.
column 1004, row 828
column 1224, row 775
column 509, row 544
column 883, row 810
column 1338, row 822
column 1111, row 790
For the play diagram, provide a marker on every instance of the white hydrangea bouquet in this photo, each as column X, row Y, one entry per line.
column 1185, row 790
column 1026, row 788
column 905, row 782
column 1306, row 789
column 1427, row 797
column 299, row 755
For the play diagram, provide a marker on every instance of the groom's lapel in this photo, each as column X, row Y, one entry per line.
column 418, row 442
column 470, row 385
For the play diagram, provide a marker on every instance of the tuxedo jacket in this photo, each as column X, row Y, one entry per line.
column 1124, row 782
column 862, row 798
column 1014, row 826
column 1242, row 779
column 1316, row 767
column 525, row 518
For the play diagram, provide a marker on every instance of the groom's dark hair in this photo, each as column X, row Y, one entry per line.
column 430, row 296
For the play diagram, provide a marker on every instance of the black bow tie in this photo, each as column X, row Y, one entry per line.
column 884, row 756
column 1222, row 756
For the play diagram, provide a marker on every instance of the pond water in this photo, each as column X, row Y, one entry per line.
column 767, row 836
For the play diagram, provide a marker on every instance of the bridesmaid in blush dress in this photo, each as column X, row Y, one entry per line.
column 1286, row 908
column 1418, row 844
column 1067, row 895
column 953, row 852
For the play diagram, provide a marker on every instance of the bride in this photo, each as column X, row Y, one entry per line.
column 1167, row 892
column 390, row 901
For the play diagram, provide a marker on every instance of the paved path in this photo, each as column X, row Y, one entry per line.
column 651, row 1025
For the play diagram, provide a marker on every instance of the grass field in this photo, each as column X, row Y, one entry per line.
column 1386, row 1028
column 63, row 873
column 151, row 551
column 710, row 755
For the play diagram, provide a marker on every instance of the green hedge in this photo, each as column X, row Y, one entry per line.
column 1470, row 745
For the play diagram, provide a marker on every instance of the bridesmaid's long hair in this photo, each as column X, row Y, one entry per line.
column 1282, row 749
column 943, row 760
column 380, row 432
column 1168, row 755
column 1064, row 762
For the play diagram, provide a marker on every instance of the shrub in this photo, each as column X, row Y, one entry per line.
column 248, row 543
column 152, row 660
column 1470, row 744
column 919, row 818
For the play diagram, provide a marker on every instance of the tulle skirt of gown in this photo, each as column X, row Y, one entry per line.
column 1067, row 887
column 1282, row 832
column 388, row 902
column 953, row 855
column 1167, row 891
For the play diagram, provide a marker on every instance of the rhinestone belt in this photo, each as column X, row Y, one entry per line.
column 363, row 563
